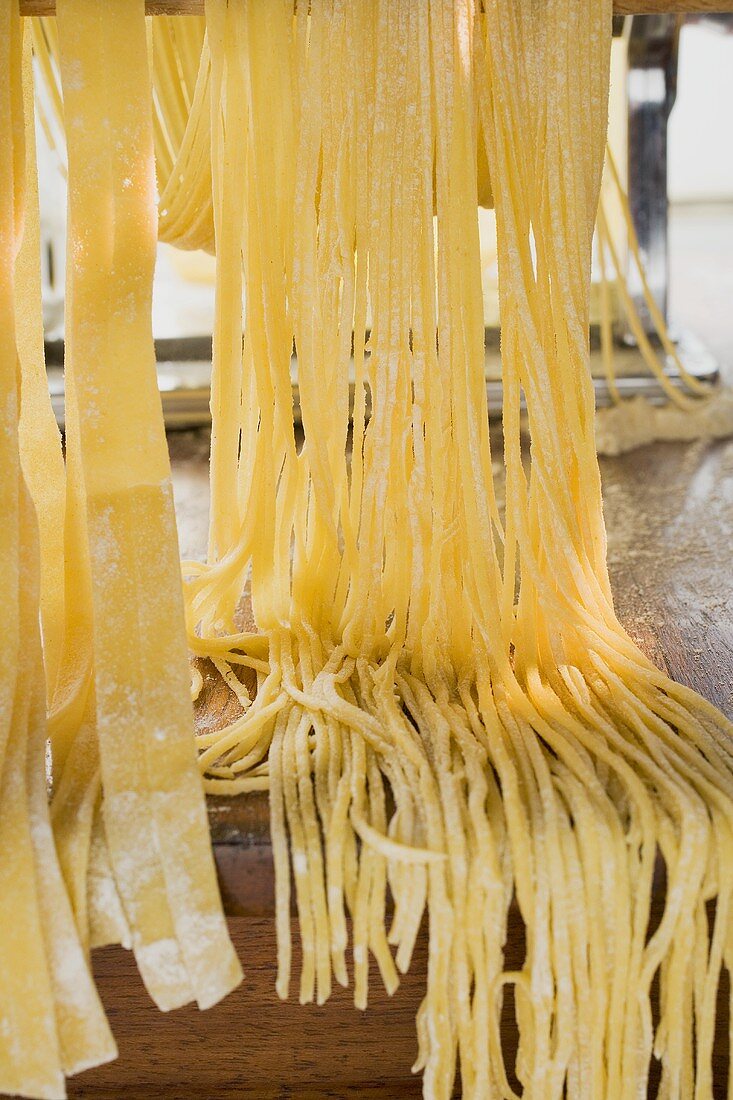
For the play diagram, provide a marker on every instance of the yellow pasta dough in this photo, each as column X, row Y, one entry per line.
column 448, row 716
column 416, row 639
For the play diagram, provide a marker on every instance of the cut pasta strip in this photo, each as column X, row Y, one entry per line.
column 166, row 881
column 39, row 437
column 29, row 1047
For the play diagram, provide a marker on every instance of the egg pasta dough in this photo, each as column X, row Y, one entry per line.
column 448, row 712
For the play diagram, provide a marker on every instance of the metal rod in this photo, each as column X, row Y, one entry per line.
column 620, row 7
column 651, row 84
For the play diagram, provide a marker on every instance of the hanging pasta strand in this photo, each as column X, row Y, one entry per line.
column 140, row 677
column 531, row 750
column 53, row 1022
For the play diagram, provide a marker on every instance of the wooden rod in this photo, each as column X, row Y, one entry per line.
column 620, row 7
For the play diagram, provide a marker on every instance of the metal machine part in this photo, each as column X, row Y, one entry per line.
column 651, row 88
column 185, row 390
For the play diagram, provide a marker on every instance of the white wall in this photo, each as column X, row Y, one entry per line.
column 701, row 124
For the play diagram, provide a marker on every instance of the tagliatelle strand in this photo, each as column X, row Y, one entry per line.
column 168, row 890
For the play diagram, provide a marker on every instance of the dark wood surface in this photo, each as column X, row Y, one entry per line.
column 252, row 1044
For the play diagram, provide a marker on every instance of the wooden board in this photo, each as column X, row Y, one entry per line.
column 257, row 1047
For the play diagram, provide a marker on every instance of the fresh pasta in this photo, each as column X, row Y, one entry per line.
column 449, row 718
column 117, row 689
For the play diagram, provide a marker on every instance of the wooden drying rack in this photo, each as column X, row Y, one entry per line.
column 620, row 7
